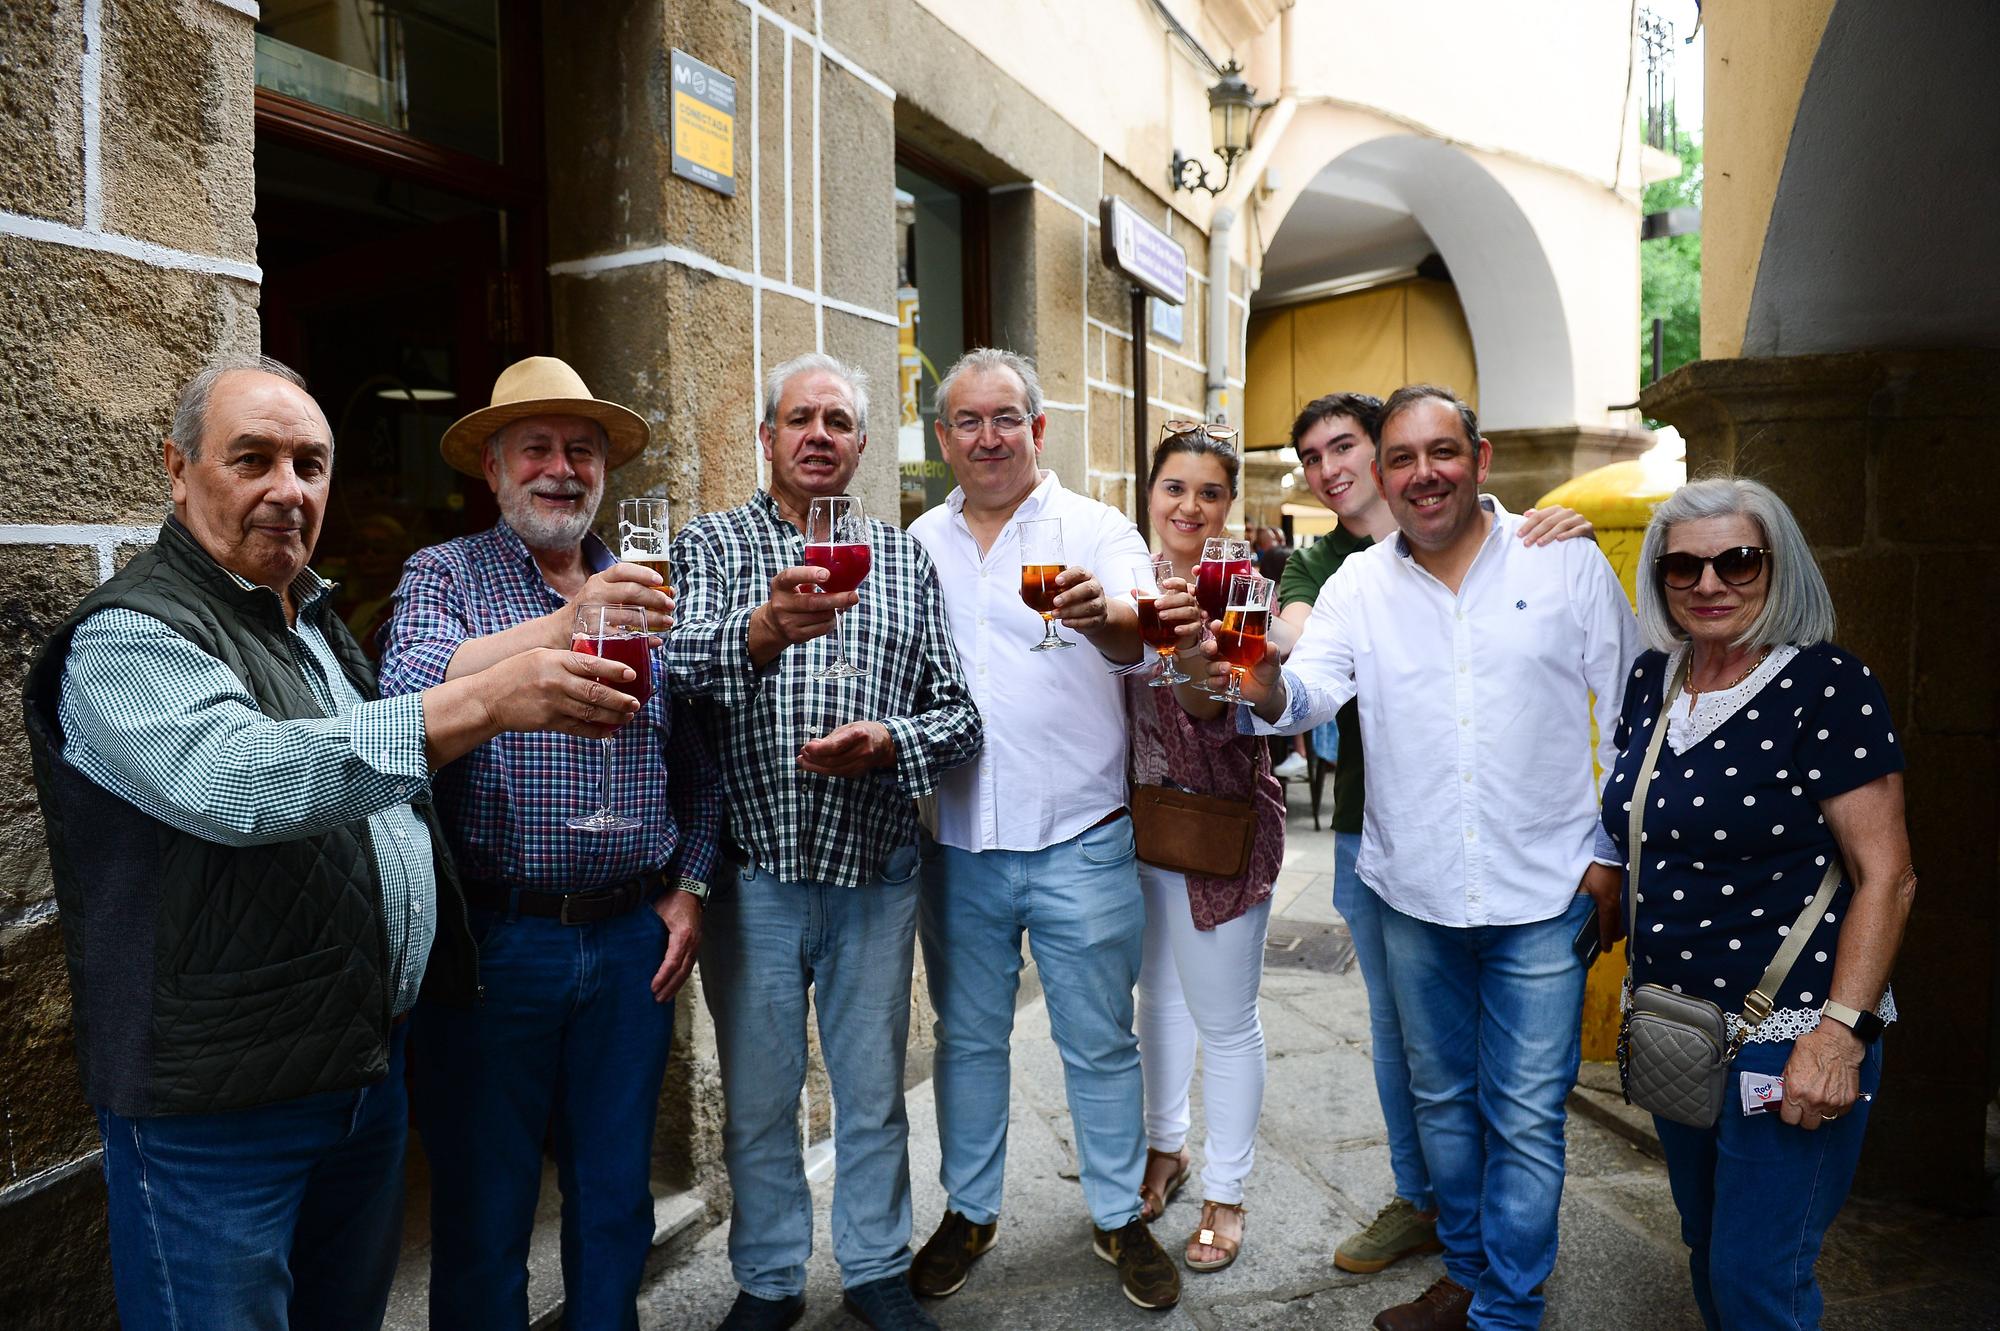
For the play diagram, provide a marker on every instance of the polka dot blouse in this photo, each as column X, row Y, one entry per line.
column 1734, row 841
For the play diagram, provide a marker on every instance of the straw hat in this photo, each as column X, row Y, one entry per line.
column 541, row 386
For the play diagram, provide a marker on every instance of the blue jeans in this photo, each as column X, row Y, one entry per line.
column 1363, row 911
column 288, row 1215
column 765, row 943
column 1756, row 1196
column 1085, row 918
column 568, row 1046
column 1492, row 1024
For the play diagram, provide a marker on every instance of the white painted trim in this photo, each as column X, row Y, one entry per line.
column 788, row 159
column 818, row 214
column 93, row 115
column 756, row 243
column 686, row 258
column 104, row 538
column 1016, row 186
column 1105, row 385
column 1049, row 405
column 819, row 43
column 248, row 10
column 1151, row 345
column 125, row 247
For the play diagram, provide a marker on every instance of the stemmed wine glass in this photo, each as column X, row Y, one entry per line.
column 617, row 633
column 1162, row 638
column 837, row 541
column 1221, row 560
column 1041, row 564
column 642, row 536
column 1245, row 620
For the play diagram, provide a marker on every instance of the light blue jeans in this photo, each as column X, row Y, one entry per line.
column 765, row 943
column 1080, row 904
column 1363, row 910
column 1492, row 1023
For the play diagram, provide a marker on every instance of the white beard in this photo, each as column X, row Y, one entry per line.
column 546, row 531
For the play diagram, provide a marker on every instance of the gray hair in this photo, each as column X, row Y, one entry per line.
column 1798, row 609
column 191, row 408
column 810, row 363
column 983, row 360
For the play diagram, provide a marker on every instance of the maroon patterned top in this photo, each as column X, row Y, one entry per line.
column 1169, row 747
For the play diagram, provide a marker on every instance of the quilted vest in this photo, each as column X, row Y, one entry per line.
column 209, row 977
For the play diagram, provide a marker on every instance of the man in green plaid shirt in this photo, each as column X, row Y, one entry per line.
column 822, row 778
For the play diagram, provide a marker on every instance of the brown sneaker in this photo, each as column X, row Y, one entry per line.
column 944, row 1262
column 1145, row 1272
column 1442, row 1307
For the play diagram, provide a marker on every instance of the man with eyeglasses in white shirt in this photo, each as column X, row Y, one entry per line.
column 1033, row 835
column 1471, row 655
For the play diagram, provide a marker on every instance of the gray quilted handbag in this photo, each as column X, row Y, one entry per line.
column 1674, row 1051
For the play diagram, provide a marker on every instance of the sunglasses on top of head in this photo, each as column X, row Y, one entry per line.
column 1735, row 566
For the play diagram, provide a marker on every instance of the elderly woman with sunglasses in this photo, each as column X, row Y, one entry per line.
column 1779, row 753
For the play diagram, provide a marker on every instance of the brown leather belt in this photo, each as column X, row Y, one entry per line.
column 591, row 907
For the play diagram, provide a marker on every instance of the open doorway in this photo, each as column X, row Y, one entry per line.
column 400, row 212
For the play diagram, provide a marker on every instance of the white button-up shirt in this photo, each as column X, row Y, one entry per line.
column 1054, row 759
column 1481, row 800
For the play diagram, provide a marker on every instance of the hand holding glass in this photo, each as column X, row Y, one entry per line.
column 1221, row 560
column 1041, row 565
column 1245, row 620
column 616, row 633
column 1163, row 638
column 837, row 541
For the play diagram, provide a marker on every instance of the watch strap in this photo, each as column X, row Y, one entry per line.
column 1866, row 1025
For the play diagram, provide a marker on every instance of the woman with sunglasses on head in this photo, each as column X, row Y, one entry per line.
column 1204, row 942
column 1779, row 774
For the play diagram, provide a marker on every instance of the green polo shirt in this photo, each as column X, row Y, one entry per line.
column 1305, row 573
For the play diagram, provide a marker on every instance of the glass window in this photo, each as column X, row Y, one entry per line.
column 427, row 68
column 930, row 303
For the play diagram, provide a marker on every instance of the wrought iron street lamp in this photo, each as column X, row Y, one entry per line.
column 1232, row 106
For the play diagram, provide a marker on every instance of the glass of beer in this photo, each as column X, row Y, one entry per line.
column 1146, row 580
column 1245, row 620
column 617, row 633
column 1221, row 560
column 837, row 541
column 642, row 537
column 1041, row 563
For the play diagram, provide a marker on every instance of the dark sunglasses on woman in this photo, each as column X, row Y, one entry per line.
column 1735, row 566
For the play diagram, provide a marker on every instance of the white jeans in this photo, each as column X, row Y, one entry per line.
column 1201, row 987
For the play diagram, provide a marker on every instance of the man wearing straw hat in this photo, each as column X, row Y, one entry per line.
column 585, row 936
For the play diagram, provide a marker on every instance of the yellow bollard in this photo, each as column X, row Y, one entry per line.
column 1619, row 500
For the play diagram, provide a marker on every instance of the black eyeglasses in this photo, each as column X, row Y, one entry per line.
column 1736, row 566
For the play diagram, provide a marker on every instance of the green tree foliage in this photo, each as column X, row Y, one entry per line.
column 1670, row 270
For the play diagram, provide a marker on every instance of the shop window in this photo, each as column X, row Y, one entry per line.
column 942, row 308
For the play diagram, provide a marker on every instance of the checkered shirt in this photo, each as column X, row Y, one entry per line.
column 801, row 826
column 172, row 731
column 503, row 804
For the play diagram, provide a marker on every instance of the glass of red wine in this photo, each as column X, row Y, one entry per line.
column 1162, row 638
column 837, row 541
column 1246, row 618
column 617, row 633
column 1221, row 560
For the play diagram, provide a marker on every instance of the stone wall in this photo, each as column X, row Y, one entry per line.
column 128, row 244
column 1865, row 449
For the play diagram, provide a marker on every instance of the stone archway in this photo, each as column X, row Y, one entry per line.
column 1506, row 284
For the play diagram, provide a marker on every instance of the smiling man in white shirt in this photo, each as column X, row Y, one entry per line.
column 1472, row 656
column 1033, row 834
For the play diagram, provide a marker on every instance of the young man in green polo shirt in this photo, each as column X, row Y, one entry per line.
column 1331, row 437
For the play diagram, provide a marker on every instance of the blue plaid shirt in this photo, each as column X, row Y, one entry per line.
column 504, row 803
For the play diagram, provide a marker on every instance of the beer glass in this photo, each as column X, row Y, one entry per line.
column 1245, row 620
column 1221, row 560
column 1041, row 563
column 642, row 536
column 1146, row 580
column 617, row 633
column 837, row 541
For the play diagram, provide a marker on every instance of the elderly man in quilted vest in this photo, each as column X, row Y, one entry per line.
column 252, row 884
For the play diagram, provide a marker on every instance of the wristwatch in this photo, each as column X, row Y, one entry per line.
column 1866, row 1026
column 694, row 887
